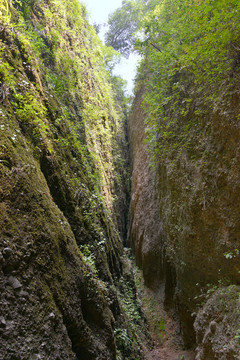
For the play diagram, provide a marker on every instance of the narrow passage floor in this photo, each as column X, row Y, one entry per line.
column 163, row 328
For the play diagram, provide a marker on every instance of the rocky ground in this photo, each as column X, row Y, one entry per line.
column 163, row 327
column 169, row 354
column 167, row 349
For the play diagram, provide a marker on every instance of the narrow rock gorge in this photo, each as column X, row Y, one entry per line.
column 90, row 184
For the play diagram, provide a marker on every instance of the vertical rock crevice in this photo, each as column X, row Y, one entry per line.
column 145, row 234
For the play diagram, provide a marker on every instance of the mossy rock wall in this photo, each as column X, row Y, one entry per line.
column 217, row 325
column 184, row 216
column 61, row 161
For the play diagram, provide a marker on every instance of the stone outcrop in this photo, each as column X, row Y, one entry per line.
column 217, row 326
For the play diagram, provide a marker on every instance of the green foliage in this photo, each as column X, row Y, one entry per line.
column 89, row 259
column 130, row 334
column 119, row 89
column 6, row 74
column 29, row 109
column 230, row 255
column 5, row 15
column 151, row 307
column 122, row 338
column 129, row 304
column 207, row 291
column 123, row 25
column 186, row 44
column 238, row 334
column 111, row 57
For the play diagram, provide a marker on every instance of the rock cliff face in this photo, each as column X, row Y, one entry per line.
column 145, row 232
column 217, row 325
column 63, row 277
column 184, row 216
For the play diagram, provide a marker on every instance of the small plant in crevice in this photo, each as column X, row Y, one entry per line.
column 127, row 343
column 122, row 338
column 233, row 256
column 237, row 336
column 204, row 293
column 88, row 257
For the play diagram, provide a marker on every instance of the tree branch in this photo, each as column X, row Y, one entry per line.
column 155, row 47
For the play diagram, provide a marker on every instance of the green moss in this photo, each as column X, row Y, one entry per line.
column 61, row 151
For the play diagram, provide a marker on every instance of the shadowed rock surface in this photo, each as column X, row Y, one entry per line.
column 184, row 214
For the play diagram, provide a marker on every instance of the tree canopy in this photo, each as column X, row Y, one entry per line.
column 123, row 25
column 182, row 42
